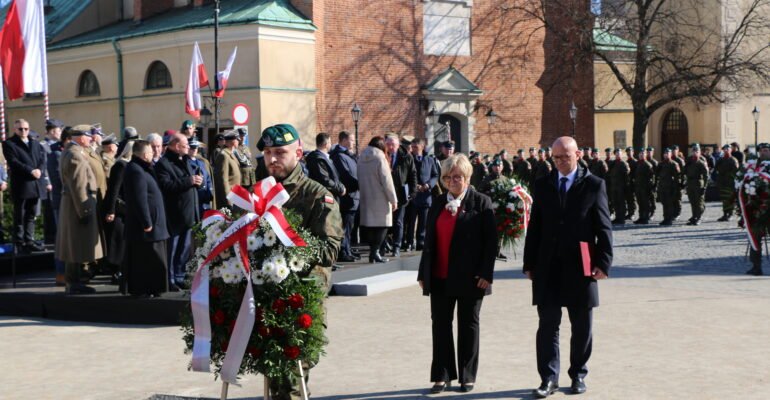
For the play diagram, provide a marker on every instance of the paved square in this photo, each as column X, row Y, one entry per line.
column 678, row 320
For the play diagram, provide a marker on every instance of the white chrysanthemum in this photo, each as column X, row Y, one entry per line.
column 279, row 261
column 257, row 278
column 253, row 243
column 296, row 265
column 226, row 254
column 510, row 207
column 268, row 268
column 269, row 239
column 216, row 272
column 281, row 273
column 752, row 191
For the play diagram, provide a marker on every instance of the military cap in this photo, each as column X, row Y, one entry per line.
column 473, row 155
column 96, row 129
column 650, row 148
column 407, row 139
column 109, row 139
column 496, row 162
column 219, row 136
column 540, row 151
column 618, row 150
column 169, row 132
column 675, row 147
column 763, row 146
column 53, row 123
column 695, row 146
column 608, row 149
column 277, row 136
column 81, row 130
column 503, row 151
column 241, row 132
column 519, row 151
column 547, row 148
column 194, row 143
column 187, row 124
column 486, row 157
column 595, row 149
column 167, row 139
column 629, row 148
column 129, row 133
column 232, row 135
column 667, row 150
column 531, row 149
column 586, row 148
column 449, row 144
column 639, row 149
column 725, row 147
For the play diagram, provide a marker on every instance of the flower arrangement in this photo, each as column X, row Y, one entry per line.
column 753, row 185
column 287, row 308
column 512, row 204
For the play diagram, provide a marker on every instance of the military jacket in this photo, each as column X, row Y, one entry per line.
column 97, row 165
column 726, row 169
column 696, row 171
column 227, row 173
column 486, row 185
column 619, row 175
column 479, row 173
column 523, row 170
column 543, row 169
column 507, row 168
column 598, row 167
column 248, row 172
column 644, row 175
column 668, row 175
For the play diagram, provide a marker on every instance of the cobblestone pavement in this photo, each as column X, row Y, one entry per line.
column 678, row 320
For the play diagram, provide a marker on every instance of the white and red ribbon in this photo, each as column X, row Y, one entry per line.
column 265, row 203
column 526, row 199
column 751, row 170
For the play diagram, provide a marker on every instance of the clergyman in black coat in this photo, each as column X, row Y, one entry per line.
column 570, row 207
column 179, row 185
column 26, row 162
column 146, row 232
column 347, row 169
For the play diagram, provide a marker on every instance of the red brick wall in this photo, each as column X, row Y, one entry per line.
column 372, row 54
column 147, row 8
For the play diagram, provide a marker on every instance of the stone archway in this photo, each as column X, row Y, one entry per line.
column 675, row 130
column 453, row 96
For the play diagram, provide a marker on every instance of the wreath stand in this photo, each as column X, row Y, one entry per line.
column 302, row 387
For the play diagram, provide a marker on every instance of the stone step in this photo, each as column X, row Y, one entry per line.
column 377, row 284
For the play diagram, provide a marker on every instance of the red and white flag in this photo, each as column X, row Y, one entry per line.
column 223, row 76
column 22, row 49
column 197, row 80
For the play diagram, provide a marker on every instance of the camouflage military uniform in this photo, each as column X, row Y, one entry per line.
column 479, row 173
column 486, row 186
column 678, row 194
column 619, row 180
column 610, row 163
column 644, row 184
column 523, row 171
column 543, row 169
column 726, row 168
column 630, row 194
column 697, row 174
column 668, row 185
column 248, row 172
column 653, row 192
column 507, row 168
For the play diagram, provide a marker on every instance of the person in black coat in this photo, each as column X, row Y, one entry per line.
column 347, row 168
column 179, row 185
column 321, row 169
column 457, row 268
column 570, row 207
column 427, row 173
column 26, row 162
column 146, row 232
column 405, row 181
column 115, row 213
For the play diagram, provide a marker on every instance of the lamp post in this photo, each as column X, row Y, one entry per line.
column 491, row 117
column 755, row 114
column 205, row 120
column 217, row 101
column 356, row 113
column 573, row 116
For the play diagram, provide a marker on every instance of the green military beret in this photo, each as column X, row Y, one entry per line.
column 277, row 136
column 531, row 149
column 763, row 146
column 519, row 151
column 595, row 149
column 695, row 146
column 503, row 151
column 231, row 135
column 547, row 148
column 496, row 162
column 540, row 151
column 187, row 124
column 639, row 149
column 650, row 148
column 629, row 148
column 667, row 150
column 725, row 147
column 608, row 149
column 675, row 147
column 618, row 150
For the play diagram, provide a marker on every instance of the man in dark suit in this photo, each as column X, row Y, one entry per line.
column 570, row 207
column 404, row 180
column 179, row 185
column 417, row 210
column 26, row 161
column 321, row 169
column 347, row 168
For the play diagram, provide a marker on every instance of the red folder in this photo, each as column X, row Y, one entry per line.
column 585, row 252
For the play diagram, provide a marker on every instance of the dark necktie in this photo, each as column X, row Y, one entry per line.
column 563, row 190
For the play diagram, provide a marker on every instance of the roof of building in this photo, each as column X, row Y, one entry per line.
column 232, row 12
column 606, row 41
column 452, row 80
column 60, row 13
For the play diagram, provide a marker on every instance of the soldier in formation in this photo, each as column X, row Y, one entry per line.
column 696, row 173
column 726, row 168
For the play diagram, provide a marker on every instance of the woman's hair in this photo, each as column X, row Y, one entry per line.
column 378, row 142
column 459, row 161
column 139, row 147
column 127, row 151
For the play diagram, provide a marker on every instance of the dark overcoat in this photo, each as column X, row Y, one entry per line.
column 321, row 169
column 144, row 203
column 552, row 245
column 347, row 168
column 22, row 160
column 404, row 175
column 427, row 173
column 473, row 248
column 174, row 175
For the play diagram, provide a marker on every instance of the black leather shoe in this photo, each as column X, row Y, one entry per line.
column 546, row 389
column 35, row 246
column 666, row 222
column 173, row 288
column 756, row 271
column 438, row 388
column 377, row 259
column 79, row 288
column 618, row 221
column 578, row 386
column 642, row 221
column 466, row 387
column 346, row 259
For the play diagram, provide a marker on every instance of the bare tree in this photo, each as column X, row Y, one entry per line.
column 703, row 51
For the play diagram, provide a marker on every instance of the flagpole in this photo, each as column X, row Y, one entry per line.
column 45, row 106
column 2, row 119
column 217, row 100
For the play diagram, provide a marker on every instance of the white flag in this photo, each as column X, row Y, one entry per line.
column 197, row 80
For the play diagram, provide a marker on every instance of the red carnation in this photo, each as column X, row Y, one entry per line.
column 291, row 352
column 279, row 306
column 509, row 232
column 255, row 352
column 263, row 331
column 296, row 301
column 219, row 317
column 214, row 291
column 259, row 315
column 500, row 228
column 304, row 321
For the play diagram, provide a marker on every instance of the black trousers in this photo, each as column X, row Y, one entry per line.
column 348, row 221
column 547, row 340
column 397, row 230
column 24, row 212
column 375, row 237
column 442, row 310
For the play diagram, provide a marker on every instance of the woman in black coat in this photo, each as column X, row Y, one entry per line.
column 146, row 233
column 456, row 269
column 115, row 213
